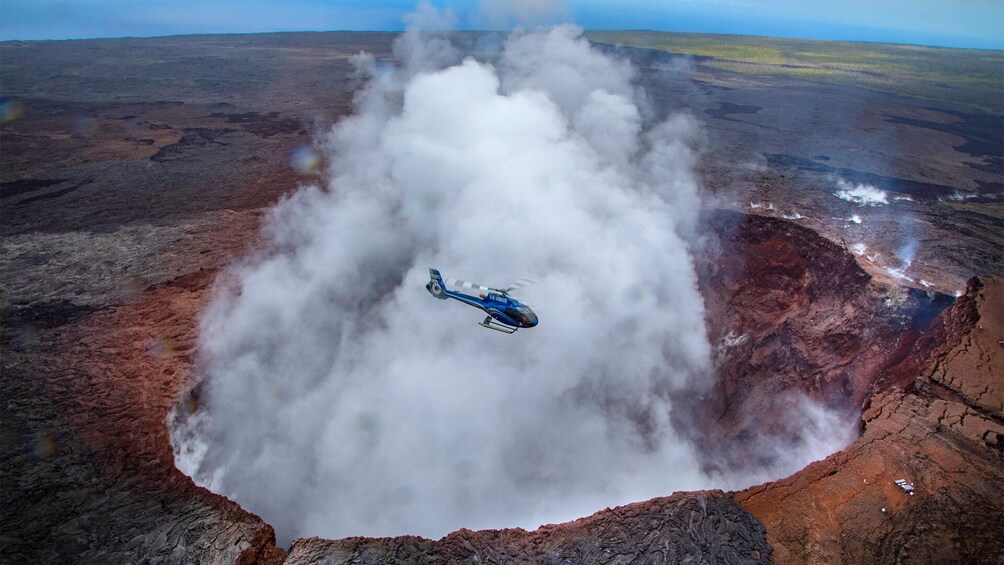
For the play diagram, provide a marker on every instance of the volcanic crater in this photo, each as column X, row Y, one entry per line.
column 94, row 369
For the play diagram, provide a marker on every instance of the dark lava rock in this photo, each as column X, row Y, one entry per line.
column 696, row 527
column 192, row 142
column 48, row 314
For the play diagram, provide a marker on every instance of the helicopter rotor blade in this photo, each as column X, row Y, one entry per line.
column 522, row 282
column 468, row 285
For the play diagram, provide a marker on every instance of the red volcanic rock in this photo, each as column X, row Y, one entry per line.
column 942, row 432
column 789, row 312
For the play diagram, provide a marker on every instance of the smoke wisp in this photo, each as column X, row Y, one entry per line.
column 341, row 399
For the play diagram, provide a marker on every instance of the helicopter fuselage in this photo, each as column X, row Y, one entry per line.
column 500, row 307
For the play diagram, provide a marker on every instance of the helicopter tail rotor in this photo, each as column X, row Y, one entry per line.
column 435, row 285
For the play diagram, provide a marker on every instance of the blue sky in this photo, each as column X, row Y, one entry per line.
column 952, row 23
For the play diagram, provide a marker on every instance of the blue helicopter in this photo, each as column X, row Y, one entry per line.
column 505, row 313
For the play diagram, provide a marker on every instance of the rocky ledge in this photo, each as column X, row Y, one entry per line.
column 702, row 527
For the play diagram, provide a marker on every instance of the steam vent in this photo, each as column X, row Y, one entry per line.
column 766, row 297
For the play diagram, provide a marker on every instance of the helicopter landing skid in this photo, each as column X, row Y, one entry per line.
column 492, row 324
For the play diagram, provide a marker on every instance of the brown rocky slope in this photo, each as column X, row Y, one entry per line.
column 791, row 315
column 939, row 425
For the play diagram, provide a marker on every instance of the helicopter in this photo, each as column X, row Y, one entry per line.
column 505, row 313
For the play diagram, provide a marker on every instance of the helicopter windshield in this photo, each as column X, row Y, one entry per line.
column 524, row 315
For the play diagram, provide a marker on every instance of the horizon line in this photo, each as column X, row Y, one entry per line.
column 584, row 30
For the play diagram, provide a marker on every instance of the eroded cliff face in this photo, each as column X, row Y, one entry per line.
column 791, row 315
column 937, row 421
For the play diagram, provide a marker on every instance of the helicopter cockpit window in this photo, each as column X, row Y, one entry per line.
column 521, row 314
column 528, row 317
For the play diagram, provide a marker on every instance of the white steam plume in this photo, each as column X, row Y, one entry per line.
column 862, row 194
column 341, row 399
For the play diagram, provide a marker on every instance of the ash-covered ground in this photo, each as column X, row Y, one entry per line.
column 134, row 171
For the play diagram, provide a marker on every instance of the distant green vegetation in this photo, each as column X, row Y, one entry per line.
column 965, row 76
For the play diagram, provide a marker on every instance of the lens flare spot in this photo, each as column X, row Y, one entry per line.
column 11, row 109
column 306, row 159
column 85, row 127
column 158, row 347
column 27, row 334
column 131, row 287
column 44, row 446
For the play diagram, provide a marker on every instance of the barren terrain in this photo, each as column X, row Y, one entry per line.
column 134, row 170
